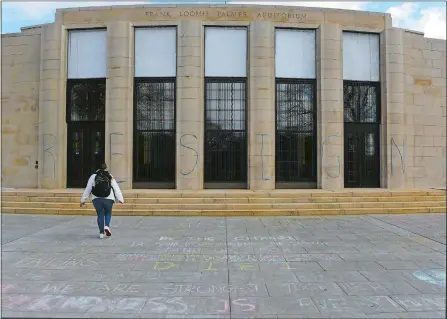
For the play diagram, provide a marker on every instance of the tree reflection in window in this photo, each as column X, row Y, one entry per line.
column 295, row 130
column 360, row 102
column 295, row 109
column 154, row 130
column 87, row 100
column 155, row 105
column 225, row 130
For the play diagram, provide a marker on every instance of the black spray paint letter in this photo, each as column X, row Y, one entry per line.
column 192, row 149
column 402, row 156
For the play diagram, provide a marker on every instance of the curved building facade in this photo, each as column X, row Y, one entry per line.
column 226, row 97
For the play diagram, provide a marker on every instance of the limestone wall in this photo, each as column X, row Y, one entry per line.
column 425, row 111
column 413, row 76
column 20, row 103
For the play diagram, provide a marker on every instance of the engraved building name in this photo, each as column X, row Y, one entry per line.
column 239, row 14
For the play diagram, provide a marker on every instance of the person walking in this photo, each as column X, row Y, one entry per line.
column 104, row 190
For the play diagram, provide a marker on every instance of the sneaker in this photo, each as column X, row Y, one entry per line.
column 101, row 236
column 107, row 230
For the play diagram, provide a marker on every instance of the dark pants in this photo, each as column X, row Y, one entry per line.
column 103, row 208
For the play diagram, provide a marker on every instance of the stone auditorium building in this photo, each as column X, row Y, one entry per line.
column 223, row 97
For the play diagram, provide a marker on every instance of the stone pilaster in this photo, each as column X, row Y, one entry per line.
column 190, row 106
column 52, row 168
column 118, row 146
column 330, row 111
column 261, row 107
column 393, row 96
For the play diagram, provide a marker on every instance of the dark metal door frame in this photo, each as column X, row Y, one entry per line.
column 163, row 175
column 85, row 114
column 213, row 178
column 363, row 170
column 84, row 156
column 294, row 180
column 362, row 114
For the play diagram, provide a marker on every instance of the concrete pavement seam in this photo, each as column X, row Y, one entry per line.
column 383, row 221
column 62, row 222
column 407, row 236
column 228, row 264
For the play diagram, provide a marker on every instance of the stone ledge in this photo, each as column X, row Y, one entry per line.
column 141, row 193
column 308, row 212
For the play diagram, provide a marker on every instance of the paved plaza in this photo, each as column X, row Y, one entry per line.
column 371, row 266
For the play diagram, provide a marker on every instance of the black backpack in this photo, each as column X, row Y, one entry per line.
column 103, row 185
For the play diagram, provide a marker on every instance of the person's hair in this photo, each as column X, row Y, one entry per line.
column 103, row 170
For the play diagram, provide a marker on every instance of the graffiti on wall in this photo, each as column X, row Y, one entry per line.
column 196, row 154
column 401, row 154
column 50, row 143
column 111, row 153
column 335, row 136
column 262, row 157
column 48, row 153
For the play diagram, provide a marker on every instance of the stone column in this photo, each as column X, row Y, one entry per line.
column 118, row 147
column 261, row 107
column 393, row 95
column 330, row 110
column 51, row 112
column 190, row 106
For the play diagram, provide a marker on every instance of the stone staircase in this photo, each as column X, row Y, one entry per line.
column 232, row 202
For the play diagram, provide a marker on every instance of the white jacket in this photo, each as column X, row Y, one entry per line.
column 115, row 190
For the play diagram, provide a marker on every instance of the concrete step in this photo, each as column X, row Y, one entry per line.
column 232, row 202
column 254, row 200
column 233, row 193
column 207, row 212
column 232, row 206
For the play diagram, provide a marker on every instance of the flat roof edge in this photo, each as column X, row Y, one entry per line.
column 259, row 6
column 24, row 30
column 35, row 26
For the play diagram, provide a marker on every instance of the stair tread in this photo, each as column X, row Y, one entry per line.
column 230, row 203
column 273, row 209
column 229, row 199
column 233, row 212
column 238, row 193
column 233, row 202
